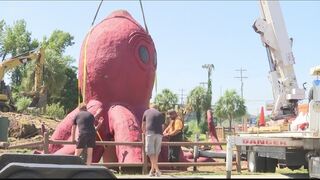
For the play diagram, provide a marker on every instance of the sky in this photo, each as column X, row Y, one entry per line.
column 189, row 34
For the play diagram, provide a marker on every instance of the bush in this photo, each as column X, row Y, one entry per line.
column 191, row 129
column 23, row 103
column 203, row 126
column 55, row 110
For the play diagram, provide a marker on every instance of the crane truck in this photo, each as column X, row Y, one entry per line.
column 266, row 148
column 37, row 55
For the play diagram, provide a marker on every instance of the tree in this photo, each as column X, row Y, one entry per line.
column 69, row 97
column 166, row 100
column 55, row 67
column 2, row 26
column 196, row 102
column 58, row 41
column 230, row 106
column 13, row 41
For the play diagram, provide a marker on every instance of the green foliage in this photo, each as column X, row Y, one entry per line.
column 55, row 110
column 70, row 91
column 54, row 72
column 23, row 103
column 166, row 100
column 191, row 129
column 187, row 132
column 203, row 126
column 196, row 101
column 57, row 69
column 230, row 106
column 2, row 26
column 58, row 41
column 15, row 40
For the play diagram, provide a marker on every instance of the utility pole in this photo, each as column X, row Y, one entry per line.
column 209, row 67
column 203, row 84
column 241, row 79
column 244, row 124
column 181, row 97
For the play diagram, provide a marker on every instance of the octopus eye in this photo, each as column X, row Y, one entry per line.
column 144, row 54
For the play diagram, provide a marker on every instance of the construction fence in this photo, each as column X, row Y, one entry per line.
column 144, row 164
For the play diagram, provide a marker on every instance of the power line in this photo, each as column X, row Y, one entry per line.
column 241, row 79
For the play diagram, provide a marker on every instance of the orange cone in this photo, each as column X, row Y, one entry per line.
column 261, row 119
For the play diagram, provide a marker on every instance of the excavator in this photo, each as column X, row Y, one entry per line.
column 38, row 92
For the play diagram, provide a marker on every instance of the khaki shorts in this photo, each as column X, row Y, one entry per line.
column 153, row 144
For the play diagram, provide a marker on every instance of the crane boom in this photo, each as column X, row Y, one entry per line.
column 274, row 37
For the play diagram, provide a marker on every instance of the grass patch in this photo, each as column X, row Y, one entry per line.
column 289, row 171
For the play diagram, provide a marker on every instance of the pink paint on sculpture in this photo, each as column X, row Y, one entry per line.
column 120, row 60
column 212, row 130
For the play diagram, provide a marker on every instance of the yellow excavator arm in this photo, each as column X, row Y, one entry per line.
column 37, row 54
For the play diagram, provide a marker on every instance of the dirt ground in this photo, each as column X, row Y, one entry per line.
column 24, row 128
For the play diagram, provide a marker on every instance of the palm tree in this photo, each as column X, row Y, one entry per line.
column 166, row 100
column 196, row 102
column 230, row 106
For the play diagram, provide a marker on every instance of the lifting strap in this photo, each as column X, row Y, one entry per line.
column 84, row 72
column 146, row 27
column 144, row 19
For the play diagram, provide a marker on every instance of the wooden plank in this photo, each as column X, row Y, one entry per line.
column 4, row 145
column 113, row 143
column 267, row 129
column 238, row 159
column 115, row 164
column 46, row 143
column 27, row 145
column 161, row 164
column 193, row 164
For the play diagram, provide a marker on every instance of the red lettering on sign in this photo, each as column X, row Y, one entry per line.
column 261, row 141
column 283, row 143
column 264, row 142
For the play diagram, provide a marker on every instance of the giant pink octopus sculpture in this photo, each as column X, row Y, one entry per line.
column 121, row 61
